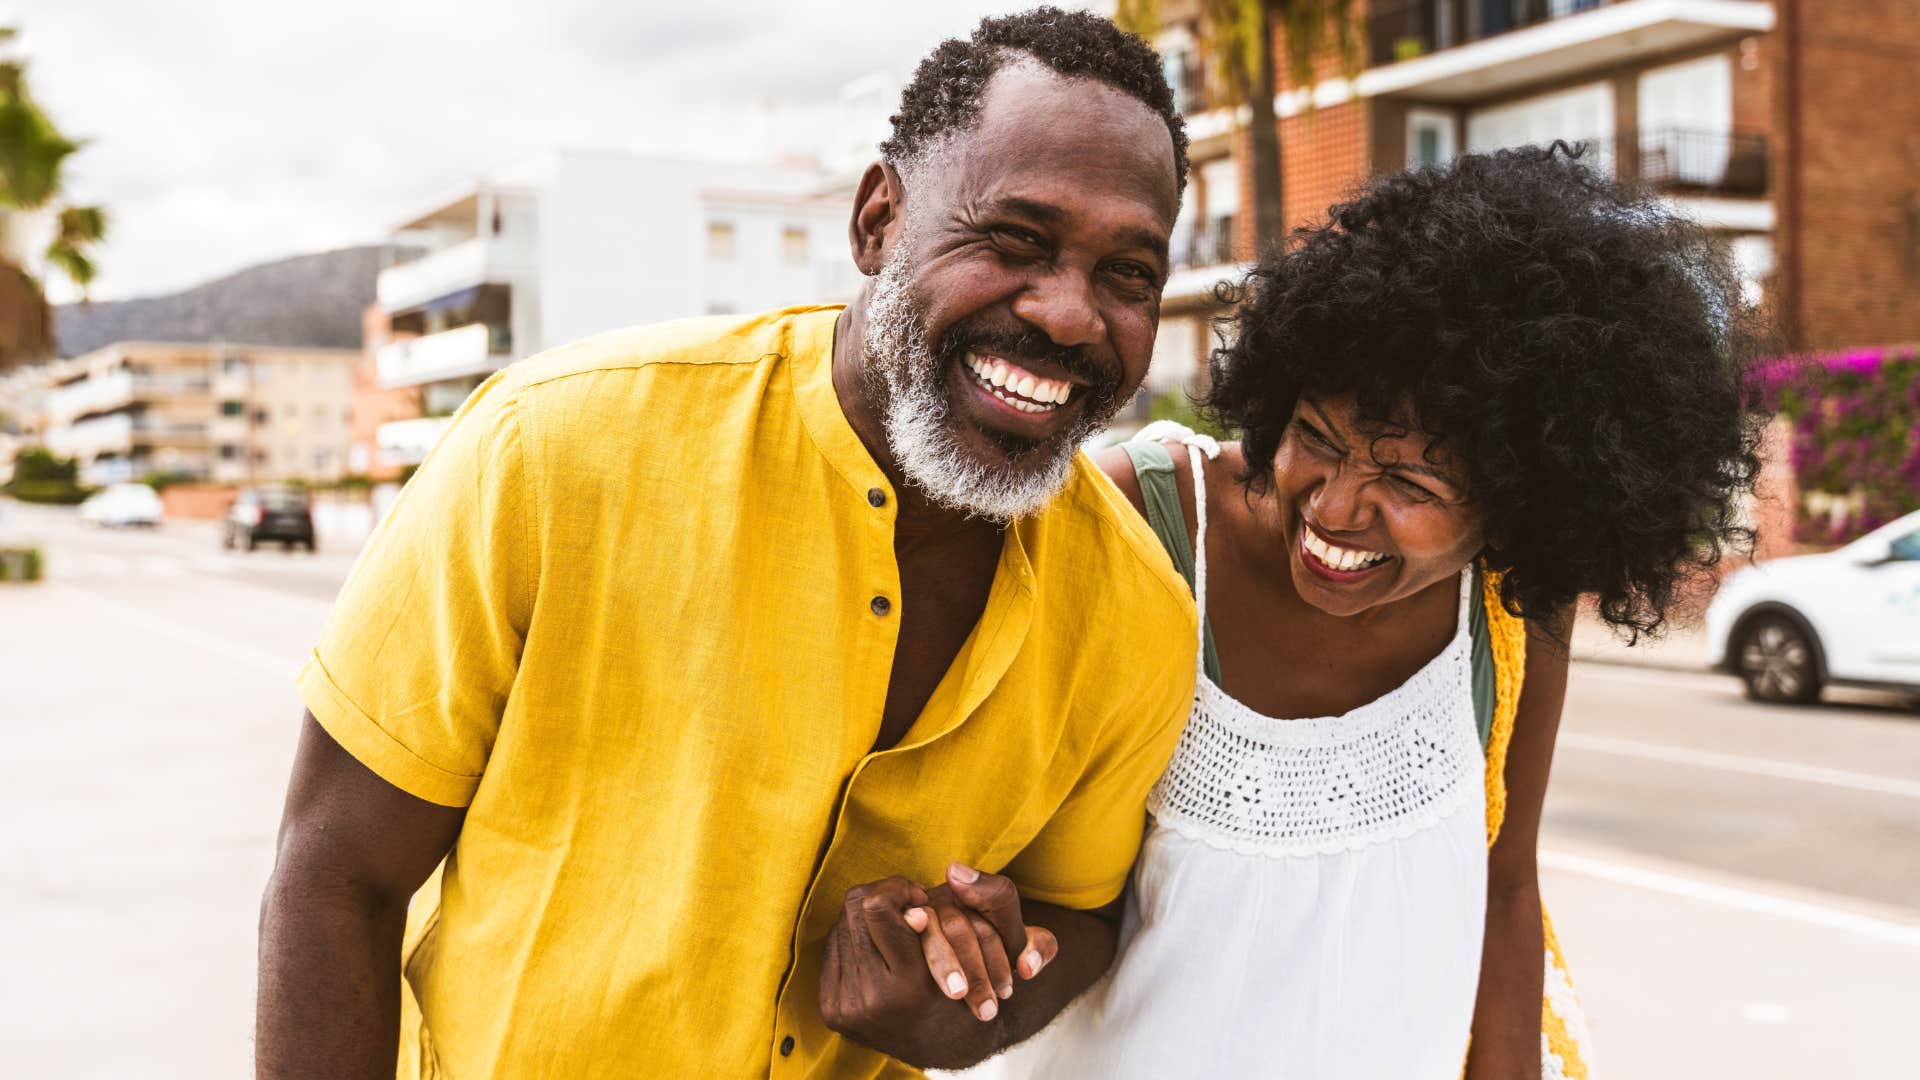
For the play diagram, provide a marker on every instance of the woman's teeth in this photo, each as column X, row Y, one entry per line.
column 1018, row 387
column 1335, row 557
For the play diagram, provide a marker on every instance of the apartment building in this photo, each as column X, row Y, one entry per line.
column 218, row 413
column 1786, row 127
column 577, row 244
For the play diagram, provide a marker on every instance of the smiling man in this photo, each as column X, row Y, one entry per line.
column 719, row 665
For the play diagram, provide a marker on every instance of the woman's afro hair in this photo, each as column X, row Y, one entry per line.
column 1580, row 348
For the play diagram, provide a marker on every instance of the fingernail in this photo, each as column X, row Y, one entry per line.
column 917, row 918
column 956, row 984
column 1033, row 962
column 989, row 1009
column 963, row 873
column 1005, row 990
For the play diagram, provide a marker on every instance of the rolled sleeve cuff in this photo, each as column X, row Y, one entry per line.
column 371, row 744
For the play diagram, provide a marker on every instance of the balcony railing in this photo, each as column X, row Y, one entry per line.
column 1404, row 29
column 1682, row 162
column 1211, row 244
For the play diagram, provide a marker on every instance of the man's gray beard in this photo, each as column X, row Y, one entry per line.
column 923, row 433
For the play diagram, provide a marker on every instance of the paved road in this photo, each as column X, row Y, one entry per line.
column 1738, row 887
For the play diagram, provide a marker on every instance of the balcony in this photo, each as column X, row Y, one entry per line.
column 406, row 442
column 1460, row 50
column 461, row 266
column 1713, row 164
column 473, row 349
column 1203, row 262
column 89, row 439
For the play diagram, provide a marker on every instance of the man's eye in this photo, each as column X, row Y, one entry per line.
column 1017, row 236
column 1133, row 272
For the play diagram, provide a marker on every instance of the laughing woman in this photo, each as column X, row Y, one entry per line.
column 1473, row 395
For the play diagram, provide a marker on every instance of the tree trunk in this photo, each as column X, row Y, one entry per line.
column 1263, row 144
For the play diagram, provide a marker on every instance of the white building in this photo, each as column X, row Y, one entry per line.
column 580, row 243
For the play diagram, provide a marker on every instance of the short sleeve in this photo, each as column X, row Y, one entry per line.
column 1082, row 856
column 414, row 666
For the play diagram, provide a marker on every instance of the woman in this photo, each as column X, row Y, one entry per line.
column 1473, row 395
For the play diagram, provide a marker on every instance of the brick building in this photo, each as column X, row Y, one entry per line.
column 1789, row 127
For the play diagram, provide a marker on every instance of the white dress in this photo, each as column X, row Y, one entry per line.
column 1310, row 899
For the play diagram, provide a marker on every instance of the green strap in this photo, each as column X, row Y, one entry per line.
column 1485, row 687
column 1153, row 468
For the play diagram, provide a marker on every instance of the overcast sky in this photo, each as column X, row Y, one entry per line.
column 228, row 132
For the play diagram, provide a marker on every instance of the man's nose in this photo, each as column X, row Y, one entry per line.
column 1061, row 304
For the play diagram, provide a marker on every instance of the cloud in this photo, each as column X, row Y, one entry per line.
column 228, row 132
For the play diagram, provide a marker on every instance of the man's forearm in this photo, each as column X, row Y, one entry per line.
column 1087, row 945
column 329, row 994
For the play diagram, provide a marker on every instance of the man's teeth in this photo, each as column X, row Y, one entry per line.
column 1337, row 557
column 1017, row 387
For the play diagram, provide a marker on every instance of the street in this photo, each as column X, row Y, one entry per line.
column 1737, row 887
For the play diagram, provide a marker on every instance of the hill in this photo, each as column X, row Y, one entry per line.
column 313, row 300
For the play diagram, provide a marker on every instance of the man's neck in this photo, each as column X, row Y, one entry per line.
column 916, row 515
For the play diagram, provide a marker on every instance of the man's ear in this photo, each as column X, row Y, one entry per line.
column 878, row 209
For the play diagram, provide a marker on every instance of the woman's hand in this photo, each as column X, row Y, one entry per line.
column 969, row 928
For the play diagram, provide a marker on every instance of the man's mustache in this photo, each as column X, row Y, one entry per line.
column 1028, row 342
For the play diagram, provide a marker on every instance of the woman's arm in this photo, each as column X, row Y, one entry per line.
column 1506, row 1017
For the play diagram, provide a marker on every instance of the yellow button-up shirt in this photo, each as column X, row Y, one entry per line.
column 626, row 615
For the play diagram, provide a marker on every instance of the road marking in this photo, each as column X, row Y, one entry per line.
column 261, row 660
column 1729, row 896
column 1740, row 763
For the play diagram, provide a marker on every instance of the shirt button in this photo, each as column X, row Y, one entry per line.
column 876, row 497
column 786, row 1046
column 881, row 605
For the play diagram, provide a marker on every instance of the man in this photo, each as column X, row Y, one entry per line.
column 719, row 660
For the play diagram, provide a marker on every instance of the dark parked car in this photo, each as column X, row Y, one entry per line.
column 282, row 514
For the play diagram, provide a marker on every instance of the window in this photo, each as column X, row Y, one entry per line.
column 793, row 245
column 229, row 452
column 233, row 365
column 233, row 408
column 322, row 460
column 1905, row 548
column 1429, row 138
column 261, row 416
column 720, row 241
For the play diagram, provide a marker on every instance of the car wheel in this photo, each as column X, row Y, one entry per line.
column 1776, row 659
column 226, row 538
column 253, row 542
column 311, row 546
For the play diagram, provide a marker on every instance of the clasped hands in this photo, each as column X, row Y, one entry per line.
column 901, row 957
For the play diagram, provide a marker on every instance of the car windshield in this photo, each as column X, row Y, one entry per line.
column 283, row 500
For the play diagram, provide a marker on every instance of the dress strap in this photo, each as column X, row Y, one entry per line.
column 1199, row 447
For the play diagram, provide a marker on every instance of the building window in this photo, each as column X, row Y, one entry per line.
column 229, row 452
column 233, row 408
column 1429, row 138
column 233, row 365
column 261, row 416
column 793, row 245
column 720, row 241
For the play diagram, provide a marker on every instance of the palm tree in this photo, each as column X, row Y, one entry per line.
column 1239, row 39
column 33, row 153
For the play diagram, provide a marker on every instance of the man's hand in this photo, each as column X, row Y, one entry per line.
column 969, row 927
column 873, row 983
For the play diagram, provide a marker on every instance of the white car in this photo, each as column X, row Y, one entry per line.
column 123, row 504
column 1849, row 617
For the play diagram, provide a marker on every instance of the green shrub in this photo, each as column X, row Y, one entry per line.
column 38, row 463
column 19, row 564
column 48, row 492
column 161, row 481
